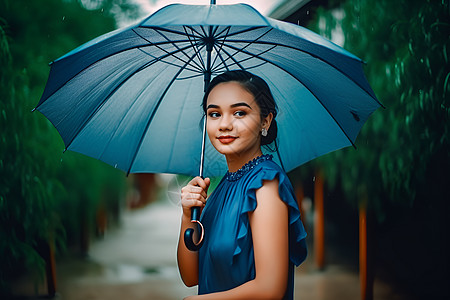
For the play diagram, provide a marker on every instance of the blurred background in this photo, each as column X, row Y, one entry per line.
column 380, row 210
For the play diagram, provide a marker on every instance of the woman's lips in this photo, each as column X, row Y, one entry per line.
column 226, row 139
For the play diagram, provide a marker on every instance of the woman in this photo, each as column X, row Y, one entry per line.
column 254, row 235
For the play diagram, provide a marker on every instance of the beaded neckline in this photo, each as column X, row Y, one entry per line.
column 233, row 176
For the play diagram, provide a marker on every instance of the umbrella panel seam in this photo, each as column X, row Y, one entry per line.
column 152, row 116
column 108, row 96
column 162, row 49
column 268, row 61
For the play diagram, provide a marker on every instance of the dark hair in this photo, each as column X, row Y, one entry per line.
column 256, row 86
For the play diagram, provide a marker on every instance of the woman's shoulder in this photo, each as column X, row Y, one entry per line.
column 269, row 170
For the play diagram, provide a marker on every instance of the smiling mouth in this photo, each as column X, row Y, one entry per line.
column 226, row 139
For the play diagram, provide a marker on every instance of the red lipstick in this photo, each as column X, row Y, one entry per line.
column 226, row 139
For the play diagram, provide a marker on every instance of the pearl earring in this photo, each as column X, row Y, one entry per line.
column 264, row 132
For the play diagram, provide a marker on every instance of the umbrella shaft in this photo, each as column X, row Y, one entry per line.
column 202, row 157
column 207, row 79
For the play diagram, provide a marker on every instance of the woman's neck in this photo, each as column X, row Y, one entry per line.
column 235, row 162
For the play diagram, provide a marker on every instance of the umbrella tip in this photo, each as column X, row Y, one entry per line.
column 33, row 109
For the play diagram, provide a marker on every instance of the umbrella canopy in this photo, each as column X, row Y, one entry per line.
column 132, row 97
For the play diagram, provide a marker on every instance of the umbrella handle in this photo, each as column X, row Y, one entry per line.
column 189, row 233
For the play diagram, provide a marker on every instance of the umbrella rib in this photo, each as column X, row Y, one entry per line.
column 196, row 64
column 223, row 63
column 205, row 68
column 220, row 48
column 171, row 30
column 233, row 59
column 241, row 31
column 108, row 56
column 205, row 34
column 195, row 47
column 248, row 42
column 167, row 62
column 255, row 40
column 268, row 61
column 154, row 113
column 251, row 57
column 189, row 77
column 226, row 28
column 313, row 55
column 164, row 50
column 99, row 106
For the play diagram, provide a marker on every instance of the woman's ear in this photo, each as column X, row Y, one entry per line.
column 267, row 121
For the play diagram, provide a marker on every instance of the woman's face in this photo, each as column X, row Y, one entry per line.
column 233, row 120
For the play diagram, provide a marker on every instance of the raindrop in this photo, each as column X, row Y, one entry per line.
column 64, row 18
column 115, row 166
column 307, row 12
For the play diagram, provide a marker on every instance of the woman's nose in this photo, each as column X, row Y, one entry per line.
column 226, row 123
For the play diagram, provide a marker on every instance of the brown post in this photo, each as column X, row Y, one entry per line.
column 300, row 194
column 50, row 269
column 84, row 233
column 319, row 222
column 365, row 272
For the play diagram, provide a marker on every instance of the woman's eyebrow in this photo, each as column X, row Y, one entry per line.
column 212, row 106
column 240, row 104
column 232, row 105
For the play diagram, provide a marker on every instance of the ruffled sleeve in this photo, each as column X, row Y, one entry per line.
column 269, row 170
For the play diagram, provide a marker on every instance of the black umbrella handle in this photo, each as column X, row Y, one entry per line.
column 189, row 233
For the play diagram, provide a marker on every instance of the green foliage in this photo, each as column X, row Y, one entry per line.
column 42, row 191
column 403, row 151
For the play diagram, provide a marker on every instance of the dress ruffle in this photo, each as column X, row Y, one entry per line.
column 269, row 170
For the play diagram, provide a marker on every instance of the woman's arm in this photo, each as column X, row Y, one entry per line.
column 193, row 194
column 187, row 260
column 270, row 232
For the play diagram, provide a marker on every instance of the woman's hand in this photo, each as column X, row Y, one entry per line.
column 193, row 194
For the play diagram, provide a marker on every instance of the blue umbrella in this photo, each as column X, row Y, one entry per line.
column 132, row 97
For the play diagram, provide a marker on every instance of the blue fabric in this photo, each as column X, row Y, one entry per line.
column 226, row 259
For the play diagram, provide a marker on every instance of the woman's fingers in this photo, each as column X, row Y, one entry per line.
column 203, row 183
column 194, row 193
column 197, row 186
column 189, row 203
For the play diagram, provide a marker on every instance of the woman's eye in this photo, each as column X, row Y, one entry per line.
column 240, row 113
column 214, row 114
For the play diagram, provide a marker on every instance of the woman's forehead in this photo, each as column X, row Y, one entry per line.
column 230, row 94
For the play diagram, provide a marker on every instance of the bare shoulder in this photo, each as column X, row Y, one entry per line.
column 268, row 195
column 269, row 188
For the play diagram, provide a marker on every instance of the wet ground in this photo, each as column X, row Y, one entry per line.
column 138, row 261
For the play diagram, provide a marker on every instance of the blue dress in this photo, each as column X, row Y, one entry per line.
column 226, row 259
